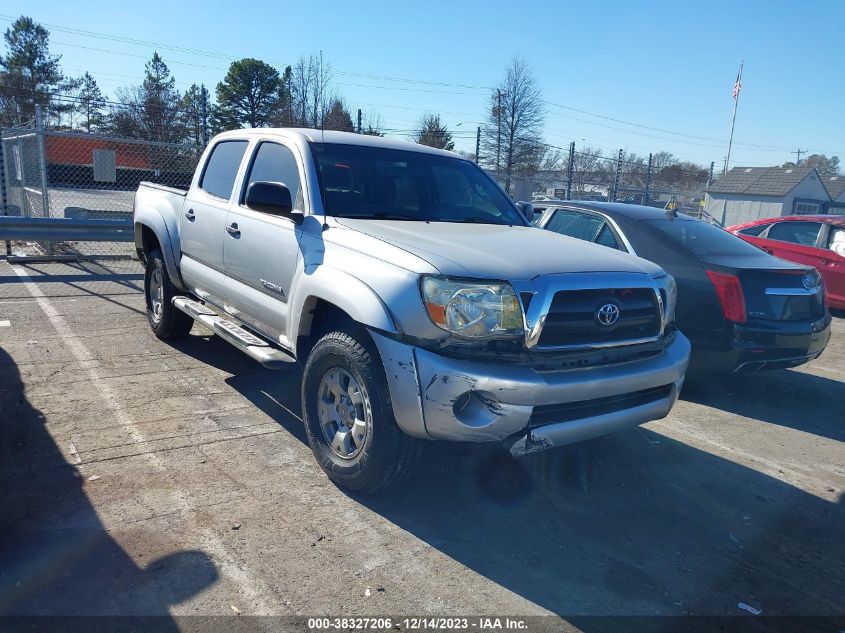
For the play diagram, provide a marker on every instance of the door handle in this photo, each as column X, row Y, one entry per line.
column 190, row 215
column 233, row 230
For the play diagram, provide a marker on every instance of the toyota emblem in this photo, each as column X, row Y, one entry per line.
column 608, row 314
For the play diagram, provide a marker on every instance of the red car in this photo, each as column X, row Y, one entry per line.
column 817, row 240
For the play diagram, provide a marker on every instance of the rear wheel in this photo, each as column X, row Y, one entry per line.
column 349, row 417
column 166, row 321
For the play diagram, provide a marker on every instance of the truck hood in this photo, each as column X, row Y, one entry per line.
column 492, row 251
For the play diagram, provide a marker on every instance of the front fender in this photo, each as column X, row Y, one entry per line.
column 343, row 290
column 168, row 238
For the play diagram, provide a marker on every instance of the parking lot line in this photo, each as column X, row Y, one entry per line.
column 255, row 590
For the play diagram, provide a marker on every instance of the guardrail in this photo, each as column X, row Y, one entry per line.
column 66, row 229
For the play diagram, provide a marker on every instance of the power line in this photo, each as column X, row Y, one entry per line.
column 224, row 56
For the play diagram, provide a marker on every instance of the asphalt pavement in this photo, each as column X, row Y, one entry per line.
column 141, row 477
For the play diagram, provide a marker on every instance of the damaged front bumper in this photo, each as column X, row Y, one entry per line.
column 443, row 398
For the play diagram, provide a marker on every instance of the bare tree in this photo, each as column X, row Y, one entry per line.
column 589, row 168
column 310, row 83
column 511, row 136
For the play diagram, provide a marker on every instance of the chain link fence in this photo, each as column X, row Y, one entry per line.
column 83, row 177
column 597, row 177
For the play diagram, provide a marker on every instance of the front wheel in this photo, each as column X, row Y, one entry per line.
column 349, row 417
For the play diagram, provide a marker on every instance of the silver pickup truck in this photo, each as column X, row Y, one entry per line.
column 415, row 294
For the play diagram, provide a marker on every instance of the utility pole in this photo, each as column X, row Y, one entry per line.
column 618, row 174
column 4, row 201
column 359, row 120
column 204, row 114
column 498, row 129
column 647, row 180
column 798, row 153
column 477, row 142
column 569, row 170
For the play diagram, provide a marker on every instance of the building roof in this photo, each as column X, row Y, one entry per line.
column 761, row 181
column 835, row 185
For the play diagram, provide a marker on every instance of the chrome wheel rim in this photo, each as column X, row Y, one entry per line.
column 156, row 294
column 343, row 411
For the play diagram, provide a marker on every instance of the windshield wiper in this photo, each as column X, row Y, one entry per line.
column 380, row 216
column 473, row 221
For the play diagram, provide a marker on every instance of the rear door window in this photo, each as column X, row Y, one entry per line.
column 575, row 224
column 701, row 238
column 607, row 238
column 804, row 233
column 221, row 169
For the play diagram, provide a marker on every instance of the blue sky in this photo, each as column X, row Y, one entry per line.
column 665, row 65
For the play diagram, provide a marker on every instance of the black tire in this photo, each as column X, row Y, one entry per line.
column 168, row 323
column 387, row 455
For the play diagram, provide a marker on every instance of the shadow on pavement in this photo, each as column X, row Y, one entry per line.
column 633, row 523
column 789, row 398
column 56, row 557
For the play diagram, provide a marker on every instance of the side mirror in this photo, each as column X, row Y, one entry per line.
column 527, row 210
column 273, row 198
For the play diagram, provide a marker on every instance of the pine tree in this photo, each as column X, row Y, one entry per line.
column 337, row 117
column 249, row 94
column 29, row 75
column 90, row 104
column 434, row 133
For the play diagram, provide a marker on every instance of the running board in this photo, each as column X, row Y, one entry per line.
column 251, row 345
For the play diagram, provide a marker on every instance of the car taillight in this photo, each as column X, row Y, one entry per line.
column 729, row 291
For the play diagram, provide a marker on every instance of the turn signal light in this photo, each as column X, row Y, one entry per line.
column 729, row 291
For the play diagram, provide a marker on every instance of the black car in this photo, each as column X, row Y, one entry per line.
column 741, row 308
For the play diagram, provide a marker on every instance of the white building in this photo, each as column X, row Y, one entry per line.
column 753, row 193
column 835, row 186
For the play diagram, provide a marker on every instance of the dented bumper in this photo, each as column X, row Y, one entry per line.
column 444, row 398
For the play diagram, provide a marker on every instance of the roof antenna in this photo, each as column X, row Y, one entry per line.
column 322, row 115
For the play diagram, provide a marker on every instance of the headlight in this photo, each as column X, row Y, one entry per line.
column 669, row 290
column 475, row 310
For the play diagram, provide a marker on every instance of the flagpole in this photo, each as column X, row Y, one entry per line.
column 733, row 118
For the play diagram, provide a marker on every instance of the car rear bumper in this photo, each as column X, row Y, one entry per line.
column 747, row 347
column 439, row 397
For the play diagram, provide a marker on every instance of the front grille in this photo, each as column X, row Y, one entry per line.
column 572, row 317
column 554, row 413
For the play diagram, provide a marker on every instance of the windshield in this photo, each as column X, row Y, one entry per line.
column 373, row 182
column 701, row 238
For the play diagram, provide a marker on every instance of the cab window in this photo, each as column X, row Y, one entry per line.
column 221, row 169
column 276, row 163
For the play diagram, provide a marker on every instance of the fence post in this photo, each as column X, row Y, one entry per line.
column 569, row 170
column 647, row 180
column 42, row 168
column 617, row 175
column 4, row 200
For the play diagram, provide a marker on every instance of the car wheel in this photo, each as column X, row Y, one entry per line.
column 166, row 321
column 349, row 416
